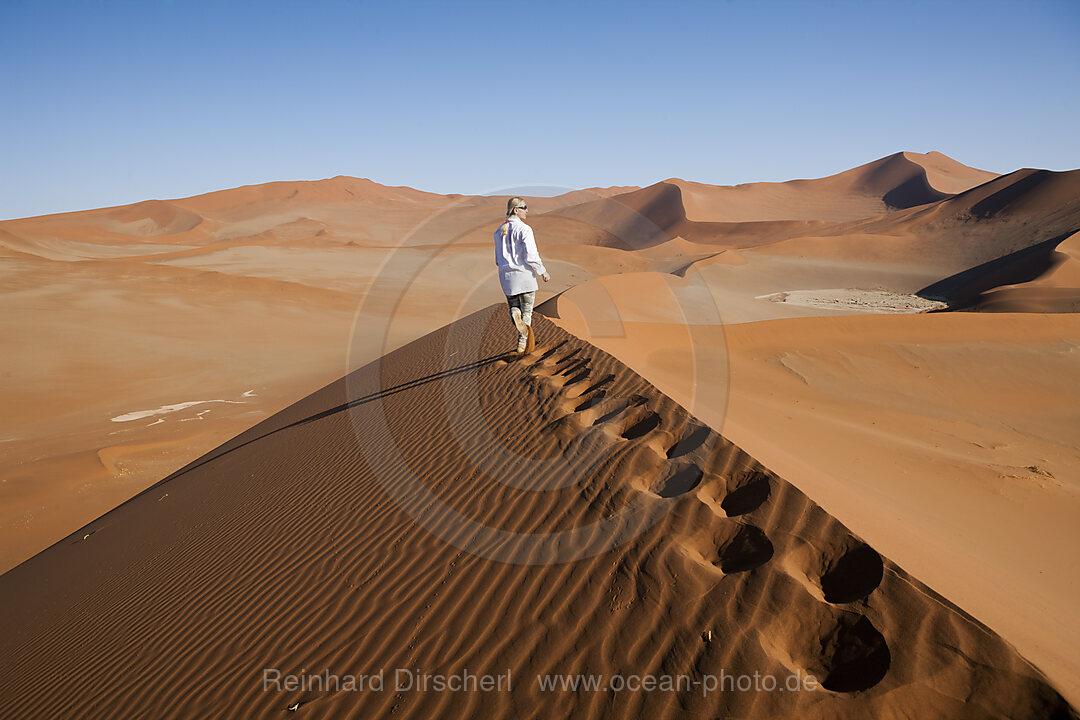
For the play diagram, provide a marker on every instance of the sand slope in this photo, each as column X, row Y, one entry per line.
column 383, row 522
column 1044, row 278
column 947, row 175
column 1009, row 213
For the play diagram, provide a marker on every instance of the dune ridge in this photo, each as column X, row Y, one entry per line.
column 303, row 545
column 947, row 175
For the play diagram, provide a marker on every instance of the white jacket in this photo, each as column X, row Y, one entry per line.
column 516, row 256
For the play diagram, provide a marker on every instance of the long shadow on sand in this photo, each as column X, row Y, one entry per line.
column 386, row 392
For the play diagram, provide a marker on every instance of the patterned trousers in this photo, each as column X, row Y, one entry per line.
column 524, row 303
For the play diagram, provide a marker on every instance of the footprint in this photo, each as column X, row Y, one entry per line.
column 750, row 492
column 620, row 406
column 689, row 443
column 852, row 575
column 747, row 549
column 679, row 481
column 553, row 349
column 560, row 381
column 541, row 370
column 543, row 365
column 568, row 357
column 644, row 426
column 578, row 377
column 592, row 402
column 606, row 380
column 855, row 655
column 574, row 366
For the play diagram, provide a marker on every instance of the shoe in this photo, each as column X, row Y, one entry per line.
column 530, row 344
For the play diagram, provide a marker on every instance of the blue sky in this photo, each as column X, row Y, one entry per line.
column 107, row 103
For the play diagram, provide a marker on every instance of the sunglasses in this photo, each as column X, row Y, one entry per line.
column 522, row 207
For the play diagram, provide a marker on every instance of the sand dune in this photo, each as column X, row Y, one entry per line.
column 898, row 181
column 647, row 544
column 1052, row 283
column 893, row 182
column 252, row 200
column 921, row 432
column 1028, row 264
column 1004, row 217
column 154, row 217
column 1050, row 196
column 947, row 175
column 644, row 218
column 761, row 213
column 937, row 443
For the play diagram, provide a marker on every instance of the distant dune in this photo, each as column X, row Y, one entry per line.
column 898, row 181
column 758, row 213
column 1046, row 282
column 1004, row 216
column 154, row 217
column 947, row 175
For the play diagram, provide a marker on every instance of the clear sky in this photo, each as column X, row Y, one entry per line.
column 107, row 103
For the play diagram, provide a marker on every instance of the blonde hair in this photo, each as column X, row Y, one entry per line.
column 513, row 204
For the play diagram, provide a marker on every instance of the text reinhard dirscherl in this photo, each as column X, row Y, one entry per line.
column 402, row 680
column 416, row 680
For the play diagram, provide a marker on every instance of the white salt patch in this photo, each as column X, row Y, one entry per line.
column 164, row 409
column 853, row 299
column 249, row 393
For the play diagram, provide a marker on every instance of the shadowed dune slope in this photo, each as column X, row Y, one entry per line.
column 1006, row 215
column 449, row 508
column 1019, row 273
column 1055, row 287
column 1052, row 197
column 653, row 215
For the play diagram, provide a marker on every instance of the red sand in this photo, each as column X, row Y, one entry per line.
column 454, row 509
column 149, row 334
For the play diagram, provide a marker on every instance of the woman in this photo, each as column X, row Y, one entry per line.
column 519, row 265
